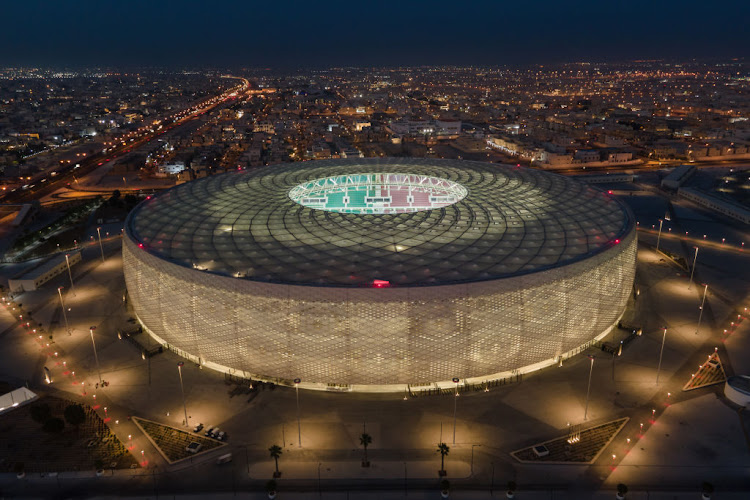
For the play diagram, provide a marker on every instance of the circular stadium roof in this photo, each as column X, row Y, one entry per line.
column 256, row 224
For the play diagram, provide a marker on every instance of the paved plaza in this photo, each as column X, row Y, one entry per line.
column 672, row 442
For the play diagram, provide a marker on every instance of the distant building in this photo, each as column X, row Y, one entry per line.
column 587, row 155
column 39, row 275
column 172, row 168
column 619, row 157
column 605, row 178
column 678, row 176
column 438, row 128
column 266, row 127
column 716, row 204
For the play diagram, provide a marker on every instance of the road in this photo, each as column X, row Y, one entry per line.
column 47, row 182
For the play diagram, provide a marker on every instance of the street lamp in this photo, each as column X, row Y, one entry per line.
column 455, row 404
column 658, row 238
column 98, row 369
column 661, row 353
column 62, row 304
column 695, row 258
column 70, row 274
column 588, row 390
column 182, row 388
column 299, row 426
column 99, row 232
column 703, row 303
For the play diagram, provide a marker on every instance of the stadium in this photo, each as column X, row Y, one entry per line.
column 379, row 274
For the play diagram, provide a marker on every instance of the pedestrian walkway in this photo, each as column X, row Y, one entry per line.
column 353, row 470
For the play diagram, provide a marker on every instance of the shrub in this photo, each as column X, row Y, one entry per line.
column 54, row 425
column 74, row 415
column 40, row 412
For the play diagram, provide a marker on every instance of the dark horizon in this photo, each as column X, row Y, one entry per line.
column 296, row 35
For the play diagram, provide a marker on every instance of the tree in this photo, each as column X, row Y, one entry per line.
column 40, row 412
column 54, row 425
column 445, row 488
column 74, row 415
column 443, row 449
column 511, row 489
column 365, row 439
column 276, row 452
column 271, row 488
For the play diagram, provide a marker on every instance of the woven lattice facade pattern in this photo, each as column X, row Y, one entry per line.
column 244, row 224
column 496, row 285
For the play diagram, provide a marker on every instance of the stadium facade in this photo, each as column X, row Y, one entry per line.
column 374, row 275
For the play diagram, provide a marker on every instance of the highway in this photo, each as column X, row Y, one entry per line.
column 47, row 182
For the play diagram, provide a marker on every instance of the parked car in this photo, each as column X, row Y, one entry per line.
column 198, row 428
column 214, row 432
column 209, row 430
column 222, row 436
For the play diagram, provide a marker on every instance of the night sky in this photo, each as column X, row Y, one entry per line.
column 295, row 34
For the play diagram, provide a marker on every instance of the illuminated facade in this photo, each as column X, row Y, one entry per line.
column 518, row 268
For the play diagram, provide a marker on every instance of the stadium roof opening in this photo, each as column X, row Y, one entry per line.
column 378, row 193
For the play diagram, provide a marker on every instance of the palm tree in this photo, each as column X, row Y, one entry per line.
column 443, row 449
column 276, row 452
column 365, row 439
column 622, row 490
column 511, row 489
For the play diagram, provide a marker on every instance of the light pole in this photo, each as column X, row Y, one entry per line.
column 703, row 303
column 99, row 232
column 299, row 426
column 455, row 404
column 62, row 304
column 661, row 353
column 695, row 258
column 70, row 274
column 182, row 388
column 658, row 238
column 91, row 331
column 588, row 390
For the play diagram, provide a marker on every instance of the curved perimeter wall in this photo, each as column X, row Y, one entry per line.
column 379, row 339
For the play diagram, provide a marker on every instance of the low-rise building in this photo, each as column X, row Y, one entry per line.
column 39, row 275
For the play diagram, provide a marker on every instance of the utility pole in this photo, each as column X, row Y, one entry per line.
column 661, row 353
column 98, row 369
column 62, row 304
column 182, row 388
column 99, row 232
column 695, row 258
column 588, row 390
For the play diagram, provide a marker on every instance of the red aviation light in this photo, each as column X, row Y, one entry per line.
column 381, row 283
